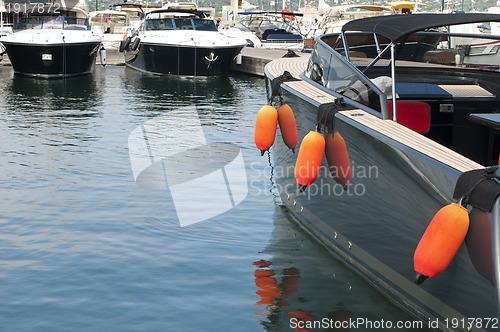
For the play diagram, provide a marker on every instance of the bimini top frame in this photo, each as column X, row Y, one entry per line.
column 397, row 27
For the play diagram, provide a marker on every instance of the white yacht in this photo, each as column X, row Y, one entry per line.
column 180, row 41
column 53, row 42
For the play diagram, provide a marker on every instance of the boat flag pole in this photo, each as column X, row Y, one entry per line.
column 393, row 74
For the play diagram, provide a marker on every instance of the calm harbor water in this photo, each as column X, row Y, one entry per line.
column 84, row 247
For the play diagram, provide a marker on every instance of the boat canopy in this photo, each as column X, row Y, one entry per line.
column 396, row 27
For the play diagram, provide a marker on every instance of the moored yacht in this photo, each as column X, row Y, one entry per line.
column 180, row 41
column 477, row 47
column 135, row 12
column 274, row 30
column 111, row 26
column 53, row 42
column 397, row 167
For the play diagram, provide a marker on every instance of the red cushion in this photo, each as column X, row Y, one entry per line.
column 415, row 115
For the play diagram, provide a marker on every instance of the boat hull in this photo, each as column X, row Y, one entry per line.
column 52, row 60
column 375, row 224
column 482, row 54
column 163, row 59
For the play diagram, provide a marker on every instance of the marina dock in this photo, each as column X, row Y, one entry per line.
column 253, row 60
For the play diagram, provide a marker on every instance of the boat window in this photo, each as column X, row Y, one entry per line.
column 73, row 23
column 118, row 19
column 160, row 24
column 328, row 68
column 204, row 25
column 39, row 22
column 183, row 24
column 345, row 81
column 318, row 64
column 242, row 27
column 52, row 22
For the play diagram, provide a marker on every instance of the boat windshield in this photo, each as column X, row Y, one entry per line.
column 180, row 24
column 48, row 22
column 329, row 69
column 110, row 18
column 265, row 23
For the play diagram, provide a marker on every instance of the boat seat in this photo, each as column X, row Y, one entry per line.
column 280, row 35
column 415, row 115
column 285, row 37
column 276, row 31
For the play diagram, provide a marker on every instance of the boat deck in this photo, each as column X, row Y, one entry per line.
column 388, row 128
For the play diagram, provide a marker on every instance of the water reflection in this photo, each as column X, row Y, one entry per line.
column 300, row 287
column 50, row 113
column 58, row 97
column 276, row 290
column 220, row 102
column 165, row 89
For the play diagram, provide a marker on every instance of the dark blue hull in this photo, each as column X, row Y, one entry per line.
column 52, row 61
column 176, row 60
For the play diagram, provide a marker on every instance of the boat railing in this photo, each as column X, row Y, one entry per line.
column 331, row 70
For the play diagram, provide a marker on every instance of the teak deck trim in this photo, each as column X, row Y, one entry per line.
column 295, row 66
column 413, row 140
column 466, row 90
column 388, row 128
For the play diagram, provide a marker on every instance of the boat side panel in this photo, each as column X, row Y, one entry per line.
column 52, row 60
column 190, row 61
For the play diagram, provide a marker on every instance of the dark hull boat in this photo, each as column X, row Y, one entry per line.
column 181, row 60
column 383, row 175
column 53, row 44
column 180, row 42
column 56, row 60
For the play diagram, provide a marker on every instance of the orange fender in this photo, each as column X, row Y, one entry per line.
column 308, row 164
column 338, row 159
column 441, row 241
column 288, row 128
column 265, row 128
